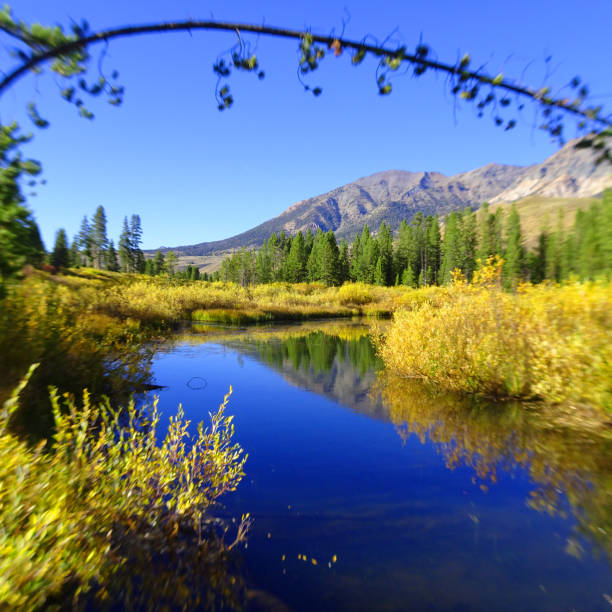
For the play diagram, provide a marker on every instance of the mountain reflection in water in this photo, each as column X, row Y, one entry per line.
column 320, row 480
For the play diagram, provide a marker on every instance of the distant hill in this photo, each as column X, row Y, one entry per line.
column 394, row 195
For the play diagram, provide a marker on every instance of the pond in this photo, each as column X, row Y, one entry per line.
column 372, row 493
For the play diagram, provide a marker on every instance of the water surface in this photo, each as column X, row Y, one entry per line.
column 372, row 493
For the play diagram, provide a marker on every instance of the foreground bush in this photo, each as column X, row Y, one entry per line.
column 543, row 341
column 112, row 513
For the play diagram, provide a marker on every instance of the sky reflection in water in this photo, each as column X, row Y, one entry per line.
column 426, row 500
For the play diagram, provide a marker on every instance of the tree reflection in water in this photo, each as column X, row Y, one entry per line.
column 568, row 459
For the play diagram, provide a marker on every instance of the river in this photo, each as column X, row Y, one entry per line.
column 373, row 493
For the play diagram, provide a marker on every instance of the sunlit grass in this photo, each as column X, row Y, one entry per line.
column 546, row 342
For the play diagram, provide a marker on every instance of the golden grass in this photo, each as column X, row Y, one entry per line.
column 544, row 342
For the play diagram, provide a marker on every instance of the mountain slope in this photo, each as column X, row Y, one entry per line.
column 394, row 195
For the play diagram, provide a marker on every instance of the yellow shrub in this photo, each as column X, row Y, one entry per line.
column 544, row 341
column 110, row 494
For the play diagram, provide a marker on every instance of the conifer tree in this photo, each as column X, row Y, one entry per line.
column 385, row 249
column 138, row 260
column 125, row 248
column 313, row 267
column 328, row 259
column 536, row 261
column 170, row 263
column 402, row 249
column 74, row 257
column 296, row 260
column 379, row 273
column 98, row 238
column 355, row 258
column 263, row 265
column 158, row 263
column 343, row 262
column 419, row 256
column 434, row 250
column 451, row 256
column 408, row 277
column 468, row 242
column 60, row 257
column 514, row 261
column 112, row 263
column 85, row 242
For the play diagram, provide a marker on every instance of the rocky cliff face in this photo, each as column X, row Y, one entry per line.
column 394, row 195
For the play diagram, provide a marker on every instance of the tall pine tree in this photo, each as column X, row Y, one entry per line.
column 514, row 261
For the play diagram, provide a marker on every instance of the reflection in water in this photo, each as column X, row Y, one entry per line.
column 325, row 481
column 562, row 460
column 566, row 461
column 336, row 361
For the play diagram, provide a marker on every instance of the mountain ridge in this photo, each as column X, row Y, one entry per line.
column 393, row 195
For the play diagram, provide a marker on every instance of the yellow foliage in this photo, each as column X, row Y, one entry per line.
column 109, row 493
column 544, row 341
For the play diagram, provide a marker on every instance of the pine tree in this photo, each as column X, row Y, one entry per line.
column 419, row 256
column 263, row 265
column 112, row 263
column 385, row 248
column 343, row 262
column 433, row 250
column 408, row 277
column 379, row 273
column 158, row 263
column 402, row 249
column 135, row 242
column 451, row 257
column 85, row 243
column 98, row 238
column 171, row 263
column 60, row 257
column 74, row 257
column 328, row 259
column 125, row 248
column 514, row 261
column 468, row 241
column 355, row 258
column 313, row 267
column 295, row 269
column 536, row 262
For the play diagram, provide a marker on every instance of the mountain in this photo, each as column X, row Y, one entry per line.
column 394, row 195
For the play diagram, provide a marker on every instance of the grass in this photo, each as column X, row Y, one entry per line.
column 544, row 342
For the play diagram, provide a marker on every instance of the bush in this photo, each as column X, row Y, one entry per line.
column 544, row 341
column 355, row 293
column 108, row 512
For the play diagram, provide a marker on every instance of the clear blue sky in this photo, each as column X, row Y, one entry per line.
column 194, row 174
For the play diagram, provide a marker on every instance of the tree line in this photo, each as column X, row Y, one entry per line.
column 91, row 246
column 426, row 251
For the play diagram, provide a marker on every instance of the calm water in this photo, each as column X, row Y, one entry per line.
column 407, row 499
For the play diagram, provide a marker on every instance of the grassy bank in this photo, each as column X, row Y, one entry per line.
column 91, row 329
column 546, row 342
column 88, row 329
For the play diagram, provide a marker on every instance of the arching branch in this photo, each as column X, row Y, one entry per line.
column 465, row 83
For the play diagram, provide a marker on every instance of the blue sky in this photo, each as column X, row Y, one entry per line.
column 194, row 174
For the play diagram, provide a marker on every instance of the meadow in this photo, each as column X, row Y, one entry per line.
column 548, row 345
